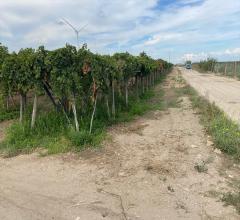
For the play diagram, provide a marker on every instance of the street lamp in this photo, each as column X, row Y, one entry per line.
column 76, row 31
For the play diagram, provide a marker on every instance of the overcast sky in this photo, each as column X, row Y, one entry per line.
column 181, row 29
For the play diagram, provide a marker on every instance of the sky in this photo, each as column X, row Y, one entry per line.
column 175, row 30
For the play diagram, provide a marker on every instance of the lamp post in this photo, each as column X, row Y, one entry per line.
column 76, row 31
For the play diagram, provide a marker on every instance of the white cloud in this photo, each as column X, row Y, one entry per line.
column 163, row 37
column 195, row 57
column 235, row 51
column 228, row 54
column 47, row 33
column 134, row 25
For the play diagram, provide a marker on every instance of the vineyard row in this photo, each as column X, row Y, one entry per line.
column 76, row 81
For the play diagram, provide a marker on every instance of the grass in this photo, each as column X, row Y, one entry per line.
column 225, row 132
column 7, row 114
column 149, row 101
column 53, row 134
column 21, row 139
column 232, row 199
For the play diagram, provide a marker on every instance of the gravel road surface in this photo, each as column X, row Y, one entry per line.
column 224, row 92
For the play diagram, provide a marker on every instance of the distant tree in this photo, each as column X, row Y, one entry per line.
column 3, row 54
column 64, row 78
column 4, row 90
column 208, row 65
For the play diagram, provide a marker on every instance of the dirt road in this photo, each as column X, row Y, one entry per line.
column 225, row 92
column 146, row 172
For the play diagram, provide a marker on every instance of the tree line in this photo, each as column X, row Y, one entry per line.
column 76, row 80
column 208, row 64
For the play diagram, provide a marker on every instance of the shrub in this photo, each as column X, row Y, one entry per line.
column 208, row 65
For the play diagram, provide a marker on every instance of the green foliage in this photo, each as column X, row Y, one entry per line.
column 127, row 65
column 21, row 138
column 24, row 75
column 136, row 108
column 41, row 69
column 64, row 77
column 50, row 123
column 208, row 65
column 84, row 139
column 74, row 80
column 232, row 199
column 53, row 133
column 8, row 114
column 3, row 55
column 9, row 71
column 225, row 132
